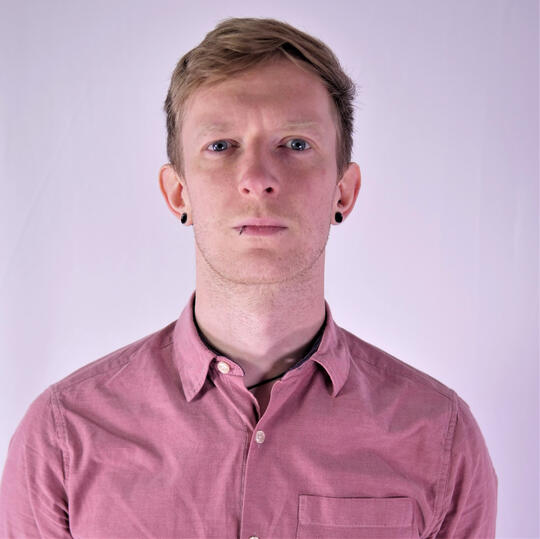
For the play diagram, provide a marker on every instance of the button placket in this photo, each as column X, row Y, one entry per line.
column 226, row 379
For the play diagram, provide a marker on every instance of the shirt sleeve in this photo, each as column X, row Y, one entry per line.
column 470, row 503
column 33, row 499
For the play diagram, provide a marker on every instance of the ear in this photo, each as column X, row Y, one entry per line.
column 174, row 191
column 347, row 190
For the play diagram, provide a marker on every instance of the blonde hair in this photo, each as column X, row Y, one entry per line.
column 238, row 44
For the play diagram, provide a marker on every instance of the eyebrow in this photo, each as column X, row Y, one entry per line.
column 302, row 124
column 205, row 129
column 208, row 128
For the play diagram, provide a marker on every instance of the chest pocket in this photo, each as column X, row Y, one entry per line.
column 340, row 518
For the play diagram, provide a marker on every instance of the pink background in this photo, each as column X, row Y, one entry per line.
column 438, row 264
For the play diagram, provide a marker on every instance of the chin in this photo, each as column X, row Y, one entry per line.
column 261, row 266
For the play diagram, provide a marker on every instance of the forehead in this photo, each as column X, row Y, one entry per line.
column 275, row 90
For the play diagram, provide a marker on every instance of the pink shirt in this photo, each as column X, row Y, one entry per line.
column 162, row 439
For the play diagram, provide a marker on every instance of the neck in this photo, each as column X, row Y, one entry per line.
column 265, row 328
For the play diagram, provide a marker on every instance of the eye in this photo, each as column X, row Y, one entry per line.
column 298, row 144
column 219, row 146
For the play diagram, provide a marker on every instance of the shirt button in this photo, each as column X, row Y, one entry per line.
column 259, row 437
column 223, row 367
column 253, row 537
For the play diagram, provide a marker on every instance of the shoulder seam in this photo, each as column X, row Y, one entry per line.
column 418, row 376
column 60, row 430
column 118, row 357
column 444, row 475
column 60, row 386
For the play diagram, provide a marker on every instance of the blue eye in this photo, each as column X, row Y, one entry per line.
column 219, row 146
column 298, row 144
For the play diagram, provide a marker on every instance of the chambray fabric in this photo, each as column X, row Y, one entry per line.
column 153, row 440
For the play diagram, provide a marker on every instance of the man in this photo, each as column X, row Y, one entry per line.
column 253, row 415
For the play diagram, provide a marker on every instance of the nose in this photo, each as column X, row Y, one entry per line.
column 257, row 175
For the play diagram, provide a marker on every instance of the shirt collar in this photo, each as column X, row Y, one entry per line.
column 193, row 356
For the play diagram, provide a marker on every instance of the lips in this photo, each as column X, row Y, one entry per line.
column 260, row 230
column 259, row 226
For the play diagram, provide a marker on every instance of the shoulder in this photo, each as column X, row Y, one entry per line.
column 97, row 389
column 383, row 367
column 389, row 383
column 406, row 394
column 125, row 366
column 131, row 359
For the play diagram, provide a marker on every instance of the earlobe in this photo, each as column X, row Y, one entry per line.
column 173, row 190
column 347, row 190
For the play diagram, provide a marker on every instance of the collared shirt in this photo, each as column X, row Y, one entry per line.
column 163, row 439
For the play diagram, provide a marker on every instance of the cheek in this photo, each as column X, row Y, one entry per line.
column 206, row 202
column 317, row 169
column 211, row 202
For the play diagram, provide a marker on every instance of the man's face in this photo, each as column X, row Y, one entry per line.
column 261, row 145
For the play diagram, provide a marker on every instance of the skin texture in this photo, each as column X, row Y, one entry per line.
column 260, row 300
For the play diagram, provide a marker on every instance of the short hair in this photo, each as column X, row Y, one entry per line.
column 238, row 44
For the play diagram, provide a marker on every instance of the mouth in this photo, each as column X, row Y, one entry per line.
column 254, row 230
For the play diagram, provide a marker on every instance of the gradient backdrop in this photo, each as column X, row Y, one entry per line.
column 437, row 265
